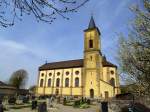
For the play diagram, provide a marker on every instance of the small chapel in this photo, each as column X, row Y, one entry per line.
column 93, row 76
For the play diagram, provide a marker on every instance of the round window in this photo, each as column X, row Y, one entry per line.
column 67, row 73
column 58, row 73
column 42, row 74
column 112, row 72
column 50, row 74
column 77, row 72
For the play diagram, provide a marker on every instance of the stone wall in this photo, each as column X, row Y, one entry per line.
column 117, row 105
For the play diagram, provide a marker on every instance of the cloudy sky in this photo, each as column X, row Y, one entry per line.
column 29, row 44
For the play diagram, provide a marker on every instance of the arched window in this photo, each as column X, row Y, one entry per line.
column 41, row 82
column 57, row 82
column 49, row 82
column 67, row 82
column 90, row 43
column 112, row 81
column 76, row 82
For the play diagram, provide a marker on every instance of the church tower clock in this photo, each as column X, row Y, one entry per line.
column 92, row 61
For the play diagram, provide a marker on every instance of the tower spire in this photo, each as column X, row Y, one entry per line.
column 92, row 23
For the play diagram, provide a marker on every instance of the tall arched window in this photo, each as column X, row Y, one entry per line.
column 57, row 82
column 76, row 82
column 41, row 82
column 67, row 82
column 112, row 81
column 49, row 82
column 90, row 43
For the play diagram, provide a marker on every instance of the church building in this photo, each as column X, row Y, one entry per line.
column 92, row 77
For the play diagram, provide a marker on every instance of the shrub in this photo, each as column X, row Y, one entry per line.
column 25, row 100
column 88, row 101
column 12, row 100
column 76, row 103
column 82, row 99
column 64, row 101
column 82, row 103
column 85, row 105
column 34, row 104
column 42, row 97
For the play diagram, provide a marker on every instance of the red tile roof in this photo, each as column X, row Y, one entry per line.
column 70, row 64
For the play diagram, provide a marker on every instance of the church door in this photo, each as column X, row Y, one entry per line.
column 106, row 94
column 91, row 93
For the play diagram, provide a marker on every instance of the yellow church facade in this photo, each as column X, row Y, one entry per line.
column 91, row 77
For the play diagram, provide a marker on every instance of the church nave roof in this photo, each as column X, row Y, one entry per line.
column 71, row 64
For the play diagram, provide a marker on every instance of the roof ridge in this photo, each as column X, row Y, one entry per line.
column 71, row 64
column 64, row 61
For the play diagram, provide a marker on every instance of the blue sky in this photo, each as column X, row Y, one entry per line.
column 29, row 44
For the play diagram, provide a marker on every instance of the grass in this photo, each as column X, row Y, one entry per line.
column 84, row 105
column 20, row 106
column 80, row 105
column 23, row 105
column 40, row 101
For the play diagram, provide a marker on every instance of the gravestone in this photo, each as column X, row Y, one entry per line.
column 1, row 106
column 48, row 102
column 25, row 100
column 12, row 100
column 104, row 106
column 34, row 104
column 64, row 101
column 58, row 99
column 42, row 107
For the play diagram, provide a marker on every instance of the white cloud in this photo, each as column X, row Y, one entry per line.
column 15, row 55
column 13, row 46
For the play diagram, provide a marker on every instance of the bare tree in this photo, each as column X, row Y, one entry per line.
column 33, row 88
column 19, row 79
column 43, row 10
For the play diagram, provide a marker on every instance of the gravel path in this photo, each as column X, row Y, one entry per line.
column 59, row 108
column 21, row 110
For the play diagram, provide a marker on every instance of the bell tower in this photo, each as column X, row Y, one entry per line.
column 91, row 37
column 92, row 61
